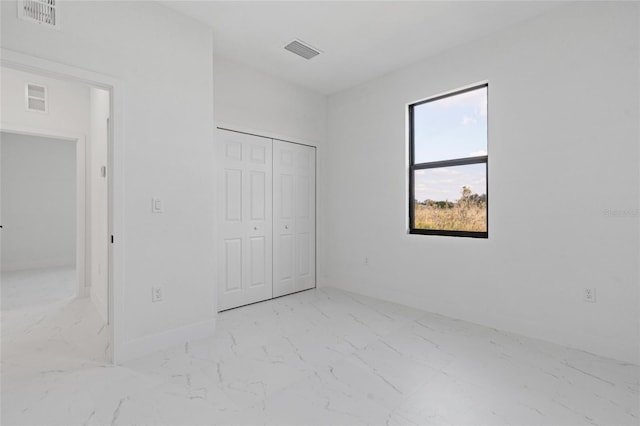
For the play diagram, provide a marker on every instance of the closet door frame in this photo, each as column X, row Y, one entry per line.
column 221, row 222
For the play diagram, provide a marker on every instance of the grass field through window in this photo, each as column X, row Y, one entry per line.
column 469, row 213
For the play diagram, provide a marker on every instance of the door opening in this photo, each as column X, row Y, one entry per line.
column 43, row 213
column 41, row 253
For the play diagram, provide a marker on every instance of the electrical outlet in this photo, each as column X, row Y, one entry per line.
column 366, row 261
column 589, row 295
column 157, row 206
column 156, row 294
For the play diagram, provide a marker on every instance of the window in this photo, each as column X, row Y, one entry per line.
column 448, row 164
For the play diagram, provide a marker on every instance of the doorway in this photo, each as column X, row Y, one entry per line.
column 41, row 213
column 54, row 205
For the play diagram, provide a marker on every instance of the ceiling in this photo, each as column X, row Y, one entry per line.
column 359, row 40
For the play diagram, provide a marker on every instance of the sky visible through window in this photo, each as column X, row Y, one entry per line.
column 446, row 129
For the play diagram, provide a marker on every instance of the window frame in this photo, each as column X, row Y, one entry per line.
column 413, row 167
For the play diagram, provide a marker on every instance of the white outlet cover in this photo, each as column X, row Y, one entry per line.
column 156, row 294
column 589, row 295
column 157, row 205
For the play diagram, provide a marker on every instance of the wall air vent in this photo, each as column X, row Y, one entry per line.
column 302, row 49
column 43, row 12
column 36, row 97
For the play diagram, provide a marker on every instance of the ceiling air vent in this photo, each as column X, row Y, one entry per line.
column 36, row 97
column 43, row 12
column 300, row 48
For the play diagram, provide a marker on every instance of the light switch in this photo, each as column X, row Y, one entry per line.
column 156, row 205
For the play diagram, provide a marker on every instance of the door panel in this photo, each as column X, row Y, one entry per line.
column 286, row 155
column 245, row 232
column 294, row 218
column 286, row 197
column 233, row 265
column 257, row 261
column 303, row 254
column 233, row 150
column 285, row 259
column 233, row 195
column 258, row 195
column 302, row 190
column 259, row 154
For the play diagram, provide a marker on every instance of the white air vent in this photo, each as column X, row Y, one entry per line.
column 43, row 12
column 36, row 97
column 300, row 48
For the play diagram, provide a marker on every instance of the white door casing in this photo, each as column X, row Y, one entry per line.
column 294, row 217
column 117, row 351
column 245, row 218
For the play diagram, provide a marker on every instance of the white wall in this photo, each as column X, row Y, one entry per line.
column 252, row 101
column 98, row 224
column 164, row 64
column 38, row 190
column 563, row 150
column 68, row 110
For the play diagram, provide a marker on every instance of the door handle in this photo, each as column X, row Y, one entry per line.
column 286, row 227
column 255, row 228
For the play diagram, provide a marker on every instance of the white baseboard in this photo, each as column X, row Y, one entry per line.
column 133, row 349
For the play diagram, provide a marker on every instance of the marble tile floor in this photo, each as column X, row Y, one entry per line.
column 329, row 357
column 35, row 288
column 44, row 326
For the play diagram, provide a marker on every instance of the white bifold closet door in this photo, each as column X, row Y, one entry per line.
column 294, row 211
column 245, row 225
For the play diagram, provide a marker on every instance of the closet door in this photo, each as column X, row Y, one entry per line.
column 245, row 225
column 294, row 248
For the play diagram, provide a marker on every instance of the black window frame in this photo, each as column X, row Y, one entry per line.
column 413, row 167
